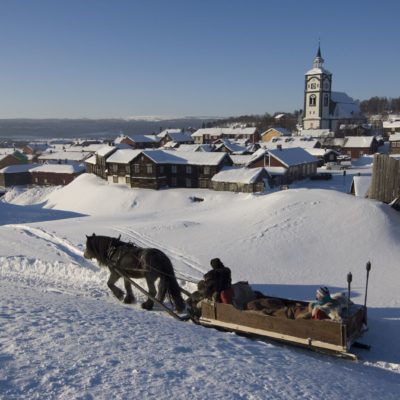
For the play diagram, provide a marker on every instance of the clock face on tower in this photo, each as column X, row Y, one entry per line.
column 313, row 86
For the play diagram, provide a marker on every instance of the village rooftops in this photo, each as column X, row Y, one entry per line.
column 104, row 150
column 123, row 156
column 65, row 156
column 18, row 168
column 391, row 124
column 59, row 168
column 317, row 133
column 194, row 147
column 395, row 137
column 293, row 156
column 359, row 141
column 190, row 158
column 225, row 131
column 237, row 175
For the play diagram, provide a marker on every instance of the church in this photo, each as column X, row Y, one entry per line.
column 324, row 109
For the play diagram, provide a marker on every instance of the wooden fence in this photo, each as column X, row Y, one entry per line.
column 385, row 184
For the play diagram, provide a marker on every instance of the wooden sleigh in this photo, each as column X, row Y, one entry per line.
column 321, row 335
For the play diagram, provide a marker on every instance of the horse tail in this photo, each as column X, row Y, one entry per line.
column 169, row 284
column 174, row 291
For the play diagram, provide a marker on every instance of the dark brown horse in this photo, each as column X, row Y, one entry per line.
column 135, row 262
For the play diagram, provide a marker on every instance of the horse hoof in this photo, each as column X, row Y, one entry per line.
column 147, row 306
column 129, row 300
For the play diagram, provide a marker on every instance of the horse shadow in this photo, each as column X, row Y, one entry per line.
column 383, row 323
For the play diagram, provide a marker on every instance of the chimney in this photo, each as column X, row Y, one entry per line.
column 279, row 147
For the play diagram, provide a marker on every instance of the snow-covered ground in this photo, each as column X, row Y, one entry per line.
column 63, row 336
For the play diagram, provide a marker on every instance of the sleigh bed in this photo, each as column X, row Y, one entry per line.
column 322, row 335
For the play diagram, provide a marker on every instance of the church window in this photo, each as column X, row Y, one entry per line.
column 326, row 100
column 313, row 100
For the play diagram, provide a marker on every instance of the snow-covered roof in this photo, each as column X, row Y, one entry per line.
column 233, row 147
column 59, row 168
column 289, row 142
column 237, row 175
column 391, row 124
column 194, row 147
column 225, row 131
column 316, row 133
column 395, row 137
column 104, row 150
column 192, row 158
column 91, row 160
column 66, row 155
column 14, row 169
column 346, row 107
column 178, row 137
column 4, row 151
column 240, row 159
column 358, row 141
column 276, row 170
column 145, row 138
column 361, row 185
column 315, row 71
column 123, row 156
column 282, row 131
column 165, row 132
column 293, row 156
column 318, row 152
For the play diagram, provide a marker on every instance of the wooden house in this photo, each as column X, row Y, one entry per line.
column 290, row 164
column 357, row 146
column 139, row 141
column 55, row 174
column 119, row 168
column 175, row 137
column 63, row 157
column 274, row 132
column 210, row 135
column 248, row 180
column 12, row 159
column 394, row 143
column 97, row 163
column 16, row 175
column 161, row 168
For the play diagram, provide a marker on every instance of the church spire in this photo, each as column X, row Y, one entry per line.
column 318, row 60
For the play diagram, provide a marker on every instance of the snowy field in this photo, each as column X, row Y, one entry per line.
column 63, row 336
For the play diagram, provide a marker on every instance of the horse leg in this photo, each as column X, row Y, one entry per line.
column 129, row 298
column 148, row 304
column 117, row 292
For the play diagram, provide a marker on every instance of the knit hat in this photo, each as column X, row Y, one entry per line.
column 322, row 292
column 216, row 263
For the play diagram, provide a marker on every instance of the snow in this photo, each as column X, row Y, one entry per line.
column 237, row 175
column 63, row 336
column 59, row 168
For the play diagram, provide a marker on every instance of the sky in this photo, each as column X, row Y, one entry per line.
column 104, row 59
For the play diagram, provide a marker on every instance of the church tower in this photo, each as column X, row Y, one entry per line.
column 317, row 96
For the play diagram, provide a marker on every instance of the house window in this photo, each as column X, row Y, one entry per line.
column 188, row 183
column 173, row 169
column 206, row 170
column 127, row 169
column 114, row 168
column 128, row 179
column 149, row 168
column 173, row 181
column 188, row 169
column 115, row 179
column 136, row 168
column 161, row 169
column 313, row 100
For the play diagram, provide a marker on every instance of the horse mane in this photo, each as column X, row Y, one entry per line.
column 99, row 246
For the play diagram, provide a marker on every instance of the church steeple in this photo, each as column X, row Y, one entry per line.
column 318, row 60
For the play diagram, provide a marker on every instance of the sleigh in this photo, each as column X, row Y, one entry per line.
column 327, row 335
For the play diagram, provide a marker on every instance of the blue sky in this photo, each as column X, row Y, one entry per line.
column 104, row 59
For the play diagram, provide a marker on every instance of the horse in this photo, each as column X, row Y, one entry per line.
column 135, row 262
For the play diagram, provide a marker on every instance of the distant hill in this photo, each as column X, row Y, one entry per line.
column 92, row 128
